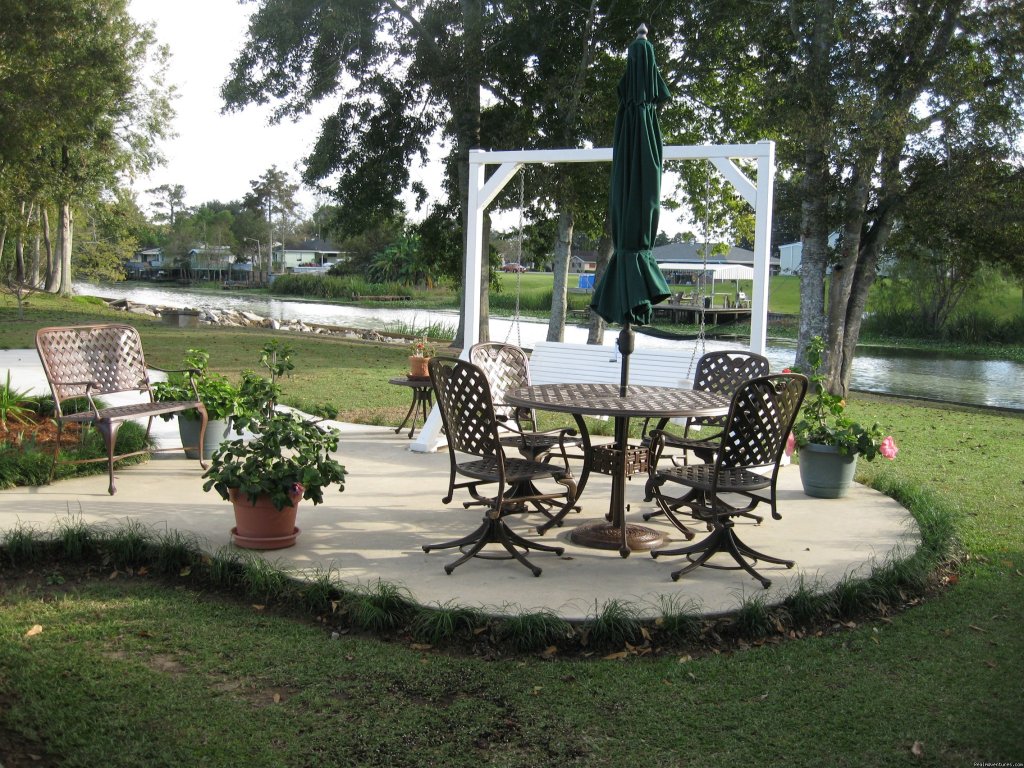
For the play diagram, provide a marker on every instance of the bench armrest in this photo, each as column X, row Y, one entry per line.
column 192, row 374
column 89, row 386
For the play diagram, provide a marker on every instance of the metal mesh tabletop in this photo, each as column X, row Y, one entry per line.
column 605, row 400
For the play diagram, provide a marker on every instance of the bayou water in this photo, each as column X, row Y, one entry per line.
column 884, row 370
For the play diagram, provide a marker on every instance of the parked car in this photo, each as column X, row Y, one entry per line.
column 513, row 268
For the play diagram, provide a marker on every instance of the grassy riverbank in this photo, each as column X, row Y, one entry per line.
column 136, row 671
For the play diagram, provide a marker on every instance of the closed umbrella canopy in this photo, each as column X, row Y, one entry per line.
column 632, row 283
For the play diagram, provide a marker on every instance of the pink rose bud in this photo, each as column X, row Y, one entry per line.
column 888, row 448
column 787, row 370
column 790, row 444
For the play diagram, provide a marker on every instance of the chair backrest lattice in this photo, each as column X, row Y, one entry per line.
column 760, row 418
column 109, row 356
column 723, row 372
column 467, row 410
column 506, row 367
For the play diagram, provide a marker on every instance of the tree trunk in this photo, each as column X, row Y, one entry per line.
column 814, row 250
column 841, row 285
column 49, row 269
column 34, row 263
column 560, row 270
column 814, row 187
column 604, row 255
column 65, row 233
column 889, row 198
column 19, row 244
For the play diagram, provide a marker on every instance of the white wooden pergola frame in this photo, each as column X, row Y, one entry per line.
column 482, row 192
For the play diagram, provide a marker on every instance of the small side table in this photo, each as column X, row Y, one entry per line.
column 422, row 401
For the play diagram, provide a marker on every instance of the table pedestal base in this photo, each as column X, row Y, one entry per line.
column 608, row 536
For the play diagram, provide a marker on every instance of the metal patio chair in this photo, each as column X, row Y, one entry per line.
column 719, row 372
column 746, row 463
column 507, row 367
column 471, row 426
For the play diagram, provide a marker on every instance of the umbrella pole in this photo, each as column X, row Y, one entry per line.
column 627, row 343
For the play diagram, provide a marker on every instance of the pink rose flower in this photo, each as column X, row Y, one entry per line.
column 791, row 444
column 888, row 448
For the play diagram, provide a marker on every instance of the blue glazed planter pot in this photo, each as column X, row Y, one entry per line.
column 824, row 472
column 217, row 430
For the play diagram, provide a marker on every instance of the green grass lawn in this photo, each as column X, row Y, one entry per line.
column 135, row 671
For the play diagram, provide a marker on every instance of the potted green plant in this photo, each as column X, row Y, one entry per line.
column 222, row 400
column 422, row 351
column 829, row 441
column 287, row 458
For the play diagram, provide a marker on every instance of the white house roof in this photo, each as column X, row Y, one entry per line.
column 718, row 271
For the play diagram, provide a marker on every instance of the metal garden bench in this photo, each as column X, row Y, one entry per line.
column 93, row 361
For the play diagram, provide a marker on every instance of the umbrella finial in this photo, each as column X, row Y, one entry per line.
column 641, row 31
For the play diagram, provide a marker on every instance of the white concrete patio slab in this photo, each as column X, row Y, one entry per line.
column 391, row 506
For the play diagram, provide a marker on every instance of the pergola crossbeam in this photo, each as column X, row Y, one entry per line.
column 483, row 191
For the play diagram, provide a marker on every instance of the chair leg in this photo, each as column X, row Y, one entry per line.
column 493, row 531
column 108, row 429
column 476, row 535
column 670, row 507
column 571, row 497
column 722, row 539
column 505, row 537
column 56, row 449
column 202, row 434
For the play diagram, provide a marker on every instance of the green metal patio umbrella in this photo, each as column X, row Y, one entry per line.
column 632, row 284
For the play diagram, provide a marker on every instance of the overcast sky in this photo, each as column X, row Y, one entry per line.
column 215, row 156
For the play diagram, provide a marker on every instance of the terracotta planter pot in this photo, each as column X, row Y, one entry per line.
column 825, row 472
column 259, row 525
column 418, row 367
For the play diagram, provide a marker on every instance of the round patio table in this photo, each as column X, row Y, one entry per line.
column 618, row 459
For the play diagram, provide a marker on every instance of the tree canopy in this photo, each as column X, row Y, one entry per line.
column 859, row 95
column 82, row 102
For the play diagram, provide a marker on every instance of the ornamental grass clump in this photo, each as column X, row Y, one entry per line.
column 823, row 420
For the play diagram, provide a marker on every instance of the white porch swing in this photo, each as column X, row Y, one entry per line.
column 482, row 192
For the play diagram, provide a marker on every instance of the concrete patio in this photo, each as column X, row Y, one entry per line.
column 391, row 506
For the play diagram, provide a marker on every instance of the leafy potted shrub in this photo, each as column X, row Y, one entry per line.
column 829, row 441
column 222, row 400
column 288, row 458
column 422, row 351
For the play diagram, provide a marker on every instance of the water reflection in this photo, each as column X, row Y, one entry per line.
column 901, row 372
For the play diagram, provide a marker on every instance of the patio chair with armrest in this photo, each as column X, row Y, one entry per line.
column 507, row 367
column 746, row 463
column 720, row 372
column 92, row 361
column 471, row 427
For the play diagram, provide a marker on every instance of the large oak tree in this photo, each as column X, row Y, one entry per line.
column 81, row 103
column 856, row 93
